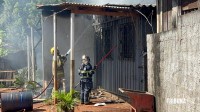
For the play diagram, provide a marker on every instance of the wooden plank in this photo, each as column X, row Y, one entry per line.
column 104, row 13
column 2, row 71
column 189, row 6
column 7, row 80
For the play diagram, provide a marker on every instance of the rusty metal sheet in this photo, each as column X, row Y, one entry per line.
column 140, row 101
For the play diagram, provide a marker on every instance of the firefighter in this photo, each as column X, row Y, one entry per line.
column 85, row 72
column 60, row 70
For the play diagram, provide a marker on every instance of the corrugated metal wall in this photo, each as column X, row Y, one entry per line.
column 117, row 72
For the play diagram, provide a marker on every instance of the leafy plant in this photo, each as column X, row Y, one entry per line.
column 2, row 86
column 3, row 51
column 19, row 82
column 66, row 100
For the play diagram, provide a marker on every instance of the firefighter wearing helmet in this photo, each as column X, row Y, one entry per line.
column 85, row 72
column 60, row 70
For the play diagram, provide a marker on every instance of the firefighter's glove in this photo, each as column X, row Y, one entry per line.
column 95, row 67
column 63, row 57
column 91, row 72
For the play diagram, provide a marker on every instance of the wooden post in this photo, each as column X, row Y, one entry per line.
column 42, row 50
column 33, row 55
column 161, row 16
column 175, row 13
column 55, row 55
column 158, row 15
column 28, row 57
column 72, row 62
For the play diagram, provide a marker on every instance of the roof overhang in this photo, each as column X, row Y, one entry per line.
column 106, row 10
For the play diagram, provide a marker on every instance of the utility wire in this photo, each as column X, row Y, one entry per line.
column 55, row 13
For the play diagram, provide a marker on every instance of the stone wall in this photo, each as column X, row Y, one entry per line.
column 174, row 66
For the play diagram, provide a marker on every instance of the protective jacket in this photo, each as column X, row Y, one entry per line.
column 86, row 71
column 60, row 63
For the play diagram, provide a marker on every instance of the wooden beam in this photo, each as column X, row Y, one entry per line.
column 104, row 13
column 193, row 5
column 4, row 71
column 7, row 80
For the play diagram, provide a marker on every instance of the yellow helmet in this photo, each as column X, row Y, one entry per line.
column 52, row 50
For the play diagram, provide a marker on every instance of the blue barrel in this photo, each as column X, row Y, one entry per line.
column 16, row 101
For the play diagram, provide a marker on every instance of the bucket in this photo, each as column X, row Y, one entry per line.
column 16, row 101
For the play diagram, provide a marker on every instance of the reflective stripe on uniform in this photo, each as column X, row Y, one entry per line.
column 86, row 73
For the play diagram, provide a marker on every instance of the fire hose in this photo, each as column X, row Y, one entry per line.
column 102, row 59
column 111, row 50
column 44, row 88
column 64, row 61
column 51, row 79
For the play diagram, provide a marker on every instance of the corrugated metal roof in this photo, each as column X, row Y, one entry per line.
column 116, row 6
column 107, row 9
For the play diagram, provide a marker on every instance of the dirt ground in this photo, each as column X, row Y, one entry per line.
column 118, row 107
column 113, row 104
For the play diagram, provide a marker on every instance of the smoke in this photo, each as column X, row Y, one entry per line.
column 15, row 21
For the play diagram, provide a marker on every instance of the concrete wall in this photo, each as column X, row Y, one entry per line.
column 173, row 66
column 84, row 42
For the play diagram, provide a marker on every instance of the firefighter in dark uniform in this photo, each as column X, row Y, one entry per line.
column 86, row 71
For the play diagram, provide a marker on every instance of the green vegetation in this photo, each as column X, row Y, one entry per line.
column 17, row 16
column 66, row 101
column 2, row 85
column 19, row 82
column 3, row 51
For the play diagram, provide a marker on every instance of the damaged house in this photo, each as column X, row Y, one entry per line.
column 118, row 29
column 126, row 65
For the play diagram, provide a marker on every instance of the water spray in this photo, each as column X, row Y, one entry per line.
column 66, row 54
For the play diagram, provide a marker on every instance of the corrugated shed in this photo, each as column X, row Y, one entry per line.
column 117, row 72
column 113, row 6
column 108, row 9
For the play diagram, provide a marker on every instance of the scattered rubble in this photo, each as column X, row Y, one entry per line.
column 100, row 104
